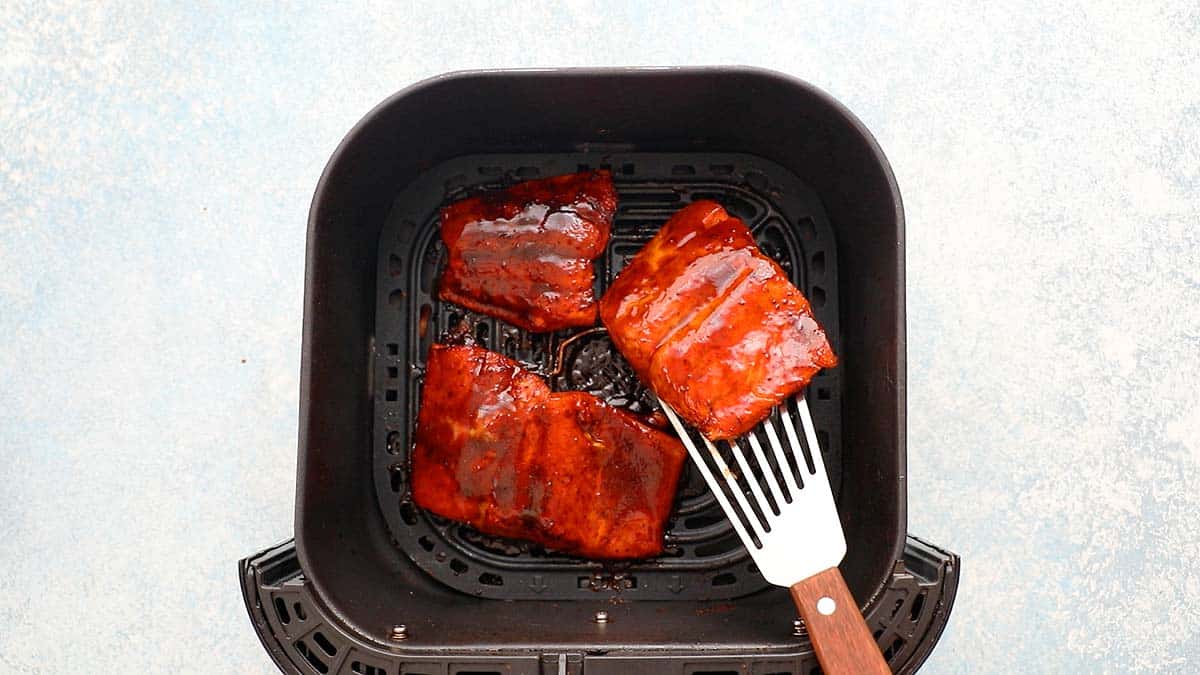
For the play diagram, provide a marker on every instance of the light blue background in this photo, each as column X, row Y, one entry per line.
column 156, row 165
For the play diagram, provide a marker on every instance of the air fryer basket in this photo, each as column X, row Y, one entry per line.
column 822, row 200
column 704, row 558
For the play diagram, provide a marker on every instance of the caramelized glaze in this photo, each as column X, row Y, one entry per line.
column 524, row 254
column 495, row 448
column 712, row 325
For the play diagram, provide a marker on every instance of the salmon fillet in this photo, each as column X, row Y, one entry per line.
column 712, row 325
column 524, row 254
column 496, row 449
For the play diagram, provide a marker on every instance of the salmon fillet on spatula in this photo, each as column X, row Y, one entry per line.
column 728, row 344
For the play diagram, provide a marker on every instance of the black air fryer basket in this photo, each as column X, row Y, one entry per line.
column 373, row 585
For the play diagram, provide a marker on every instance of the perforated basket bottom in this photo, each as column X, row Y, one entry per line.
column 303, row 640
column 703, row 559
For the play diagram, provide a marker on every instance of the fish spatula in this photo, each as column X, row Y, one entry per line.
column 791, row 529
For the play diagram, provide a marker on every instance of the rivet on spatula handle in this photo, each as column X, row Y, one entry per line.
column 839, row 634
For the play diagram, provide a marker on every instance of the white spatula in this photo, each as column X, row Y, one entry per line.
column 794, row 535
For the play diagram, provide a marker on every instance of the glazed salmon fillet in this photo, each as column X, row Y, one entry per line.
column 496, row 449
column 524, row 255
column 712, row 325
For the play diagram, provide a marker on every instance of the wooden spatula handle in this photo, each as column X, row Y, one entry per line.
column 839, row 634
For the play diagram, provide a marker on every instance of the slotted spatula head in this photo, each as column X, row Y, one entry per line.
column 790, row 527
column 781, row 506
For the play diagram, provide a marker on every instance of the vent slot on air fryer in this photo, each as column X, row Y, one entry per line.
column 905, row 622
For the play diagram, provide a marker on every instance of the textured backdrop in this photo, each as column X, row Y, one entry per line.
column 156, row 166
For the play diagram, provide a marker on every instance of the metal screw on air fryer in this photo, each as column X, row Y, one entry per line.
column 798, row 628
column 399, row 632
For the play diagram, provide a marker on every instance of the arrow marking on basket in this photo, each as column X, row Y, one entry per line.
column 675, row 585
column 538, row 584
